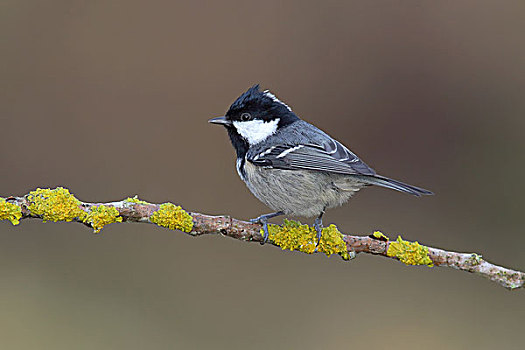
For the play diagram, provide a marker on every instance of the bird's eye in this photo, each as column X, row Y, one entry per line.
column 245, row 117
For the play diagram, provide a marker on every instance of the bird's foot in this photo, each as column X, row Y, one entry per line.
column 263, row 220
column 318, row 225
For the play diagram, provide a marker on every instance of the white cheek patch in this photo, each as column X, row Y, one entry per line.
column 255, row 131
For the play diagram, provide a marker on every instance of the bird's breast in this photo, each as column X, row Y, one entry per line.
column 298, row 193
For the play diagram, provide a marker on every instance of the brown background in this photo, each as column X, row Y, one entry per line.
column 111, row 98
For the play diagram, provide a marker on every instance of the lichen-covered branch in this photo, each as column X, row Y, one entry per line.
column 60, row 205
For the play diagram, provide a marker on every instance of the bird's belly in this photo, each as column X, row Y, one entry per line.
column 298, row 193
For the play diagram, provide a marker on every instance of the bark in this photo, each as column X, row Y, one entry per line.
column 246, row 231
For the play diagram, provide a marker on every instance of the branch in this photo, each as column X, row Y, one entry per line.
column 59, row 205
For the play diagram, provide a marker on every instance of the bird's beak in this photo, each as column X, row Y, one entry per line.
column 220, row 121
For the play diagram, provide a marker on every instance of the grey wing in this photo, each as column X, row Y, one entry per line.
column 329, row 155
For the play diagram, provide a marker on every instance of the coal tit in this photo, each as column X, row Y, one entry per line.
column 292, row 166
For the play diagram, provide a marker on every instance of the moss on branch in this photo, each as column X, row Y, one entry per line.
column 60, row 205
column 10, row 211
column 173, row 217
column 100, row 216
column 292, row 235
column 409, row 253
column 55, row 205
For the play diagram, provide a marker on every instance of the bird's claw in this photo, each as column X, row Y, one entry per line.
column 262, row 220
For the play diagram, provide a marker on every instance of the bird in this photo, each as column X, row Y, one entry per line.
column 292, row 166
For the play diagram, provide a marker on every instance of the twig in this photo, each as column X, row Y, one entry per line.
column 134, row 210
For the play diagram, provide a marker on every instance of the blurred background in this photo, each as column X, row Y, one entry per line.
column 111, row 99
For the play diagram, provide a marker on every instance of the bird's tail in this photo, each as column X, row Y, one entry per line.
column 393, row 184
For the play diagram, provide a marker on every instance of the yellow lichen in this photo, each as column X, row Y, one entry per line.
column 10, row 211
column 173, row 217
column 135, row 199
column 379, row 235
column 55, row 205
column 292, row 235
column 100, row 216
column 409, row 253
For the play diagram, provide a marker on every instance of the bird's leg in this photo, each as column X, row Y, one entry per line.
column 263, row 220
column 318, row 225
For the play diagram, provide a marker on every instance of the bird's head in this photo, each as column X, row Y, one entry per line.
column 255, row 116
